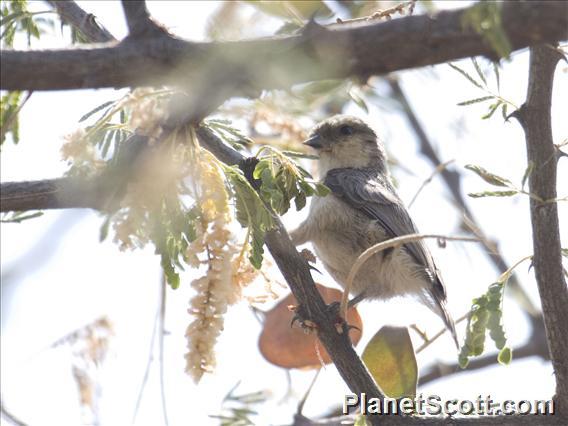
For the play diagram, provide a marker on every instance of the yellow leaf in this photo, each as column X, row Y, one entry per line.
column 390, row 358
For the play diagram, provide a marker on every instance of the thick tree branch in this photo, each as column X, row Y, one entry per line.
column 59, row 193
column 535, row 119
column 316, row 53
column 85, row 22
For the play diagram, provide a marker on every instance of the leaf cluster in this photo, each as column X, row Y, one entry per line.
column 284, row 181
column 17, row 17
column 499, row 181
column 237, row 409
column 10, row 105
column 230, row 134
column 486, row 315
column 495, row 100
column 251, row 212
column 172, row 231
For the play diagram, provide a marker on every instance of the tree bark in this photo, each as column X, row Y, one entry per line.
column 535, row 119
column 245, row 67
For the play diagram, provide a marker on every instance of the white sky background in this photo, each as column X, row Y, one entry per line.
column 62, row 278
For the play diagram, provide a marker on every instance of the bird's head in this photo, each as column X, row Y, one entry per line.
column 346, row 141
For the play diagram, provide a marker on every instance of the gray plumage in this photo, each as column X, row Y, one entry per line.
column 362, row 210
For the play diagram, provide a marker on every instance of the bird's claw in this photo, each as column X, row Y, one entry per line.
column 306, row 324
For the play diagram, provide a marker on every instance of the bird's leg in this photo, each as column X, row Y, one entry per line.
column 334, row 310
column 356, row 300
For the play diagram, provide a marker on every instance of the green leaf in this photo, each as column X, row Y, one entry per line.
column 172, row 277
column 103, row 233
column 19, row 217
column 492, row 194
column 479, row 72
column 466, row 75
column 251, row 212
column 293, row 154
column 497, row 77
column 527, row 173
column 492, row 110
column 10, row 105
column 282, row 181
column 504, row 112
column 94, row 111
column 358, row 100
column 488, row 177
column 390, row 358
column 505, row 356
column 564, row 252
column 228, row 133
column 476, row 100
column 485, row 315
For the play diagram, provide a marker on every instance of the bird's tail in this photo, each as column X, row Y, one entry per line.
column 448, row 321
column 437, row 303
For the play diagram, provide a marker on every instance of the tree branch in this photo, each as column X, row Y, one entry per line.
column 85, row 22
column 297, row 274
column 62, row 193
column 138, row 19
column 535, row 119
column 316, row 53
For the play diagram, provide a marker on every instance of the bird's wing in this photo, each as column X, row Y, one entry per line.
column 372, row 194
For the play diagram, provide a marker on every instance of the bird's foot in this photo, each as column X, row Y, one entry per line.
column 341, row 324
column 300, row 317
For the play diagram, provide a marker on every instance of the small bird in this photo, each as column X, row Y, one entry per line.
column 362, row 210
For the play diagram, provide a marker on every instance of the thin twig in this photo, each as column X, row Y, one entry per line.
column 305, row 397
column 431, row 340
column 161, row 345
column 149, row 363
column 8, row 415
column 439, row 169
column 383, row 13
column 367, row 254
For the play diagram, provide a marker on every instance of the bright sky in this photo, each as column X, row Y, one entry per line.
column 57, row 277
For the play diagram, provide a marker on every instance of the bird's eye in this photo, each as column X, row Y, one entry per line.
column 346, row 130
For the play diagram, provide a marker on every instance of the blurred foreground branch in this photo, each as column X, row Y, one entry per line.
column 243, row 68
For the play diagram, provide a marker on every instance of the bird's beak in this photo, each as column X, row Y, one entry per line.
column 314, row 142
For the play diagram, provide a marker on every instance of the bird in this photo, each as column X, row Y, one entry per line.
column 363, row 209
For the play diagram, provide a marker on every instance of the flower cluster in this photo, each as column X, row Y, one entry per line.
column 147, row 112
column 215, row 290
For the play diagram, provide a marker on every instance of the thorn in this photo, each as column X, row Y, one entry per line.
column 315, row 269
column 518, row 114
